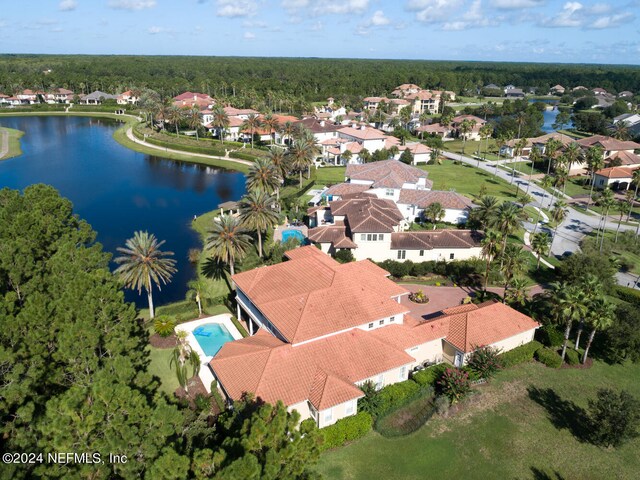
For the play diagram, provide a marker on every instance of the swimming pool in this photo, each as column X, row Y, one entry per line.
column 297, row 234
column 211, row 337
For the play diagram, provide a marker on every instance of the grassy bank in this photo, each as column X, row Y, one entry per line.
column 13, row 137
column 524, row 424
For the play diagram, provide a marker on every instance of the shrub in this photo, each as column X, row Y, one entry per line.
column 454, row 383
column 346, row 430
column 202, row 402
column 396, row 395
column 419, row 297
column 629, row 295
column 521, row 354
column 344, row 256
column 549, row 336
column 371, row 402
column 442, row 404
column 428, row 376
column 548, row 357
column 614, row 417
column 572, row 357
column 163, row 325
column 215, row 393
column 485, row 361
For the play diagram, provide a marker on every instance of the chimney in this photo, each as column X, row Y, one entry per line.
column 363, row 127
column 322, row 123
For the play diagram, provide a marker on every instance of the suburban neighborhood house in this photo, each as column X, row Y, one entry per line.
column 320, row 329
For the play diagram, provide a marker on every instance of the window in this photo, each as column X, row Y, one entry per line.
column 371, row 325
column 369, row 237
column 328, row 415
column 381, row 322
column 402, row 254
column 380, row 237
column 451, row 255
column 413, row 349
column 392, row 319
column 350, row 410
column 403, row 373
column 422, row 253
column 389, row 192
column 363, row 237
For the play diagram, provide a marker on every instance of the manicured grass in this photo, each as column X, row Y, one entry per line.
column 626, row 251
column 13, row 138
column 474, row 147
column 329, row 175
column 160, row 359
column 467, row 180
column 519, row 426
column 522, row 167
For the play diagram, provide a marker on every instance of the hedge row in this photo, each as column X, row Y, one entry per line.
column 572, row 357
column 629, row 295
column 395, row 395
column 459, row 269
column 549, row 357
column 523, row 353
column 346, row 430
column 429, row 376
column 550, row 336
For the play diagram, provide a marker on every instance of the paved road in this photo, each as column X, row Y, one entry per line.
column 4, row 143
column 201, row 155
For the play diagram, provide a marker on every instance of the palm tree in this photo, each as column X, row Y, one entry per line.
column 286, row 131
column 278, row 158
column 252, row 123
column 521, row 119
column 302, row 154
column 508, row 219
column 194, row 119
column 257, row 212
column 143, row 264
column 558, row 214
column 263, row 175
column 621, row 131
column 197, row 288
column 175, row 116
column 635, row 179
column 490, row 244
column 546, row 182
column 346, row 156
column 606, row 200
column 486, row 210
column 228, row 240
column 622, row 206
column 518, row 291
column 600, row 316
column 519, row 147
column 515, row 261
column 570, row 305
column 485, row 132
column 550, row 149
column 182, row 357
column 465, row 127
column 434, row 213
column 220, row 121
column 591, row 287
column 272, row 125
column 534, row 157
column 573, row 154
column 540, row 244
column 595, row 161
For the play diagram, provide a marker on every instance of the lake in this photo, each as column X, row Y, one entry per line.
column 118, row 190
column 550, row 115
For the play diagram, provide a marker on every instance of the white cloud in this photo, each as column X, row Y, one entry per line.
column 236, row 8
column 248, row 36
column 295, row 4
column 569, row 16
column 612, row 20
column 472, row 18
column 316, row 27
column 132, row 4
column 155, row 30
column 67, row 5
column 327, row 7
column 254, row 24
column 379, row 19
column 598, row 16
column 434, row 11
column 515, row 4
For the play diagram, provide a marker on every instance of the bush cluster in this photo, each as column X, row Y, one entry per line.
column 346, row 430
column 396, row 395
column 429, row 376
column 455, row 384
column 463, row 271
column 548, row 357
column 215, row 393
column 629, row 295
column 549, row 336
column 521, row 354
column 572, row 357
column 485, row 361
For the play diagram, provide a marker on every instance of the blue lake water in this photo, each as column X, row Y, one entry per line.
column 118, row 190
column 549, row 116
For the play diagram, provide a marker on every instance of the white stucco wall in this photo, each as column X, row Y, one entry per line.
column 376, row 251
column 438, row 254
column 430, row 351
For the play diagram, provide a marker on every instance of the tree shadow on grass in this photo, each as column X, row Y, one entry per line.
column 542, row 475
column 563, row 414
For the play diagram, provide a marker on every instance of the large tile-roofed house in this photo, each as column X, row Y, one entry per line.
column 97, row 97
column 373, row 228
column 412, row 204
column 617, row 178
column 610, row 145
column 489, row 324
column 476, row 122
column 322, row 129
column 388, row 174
column 362, row 333
column 535, row 142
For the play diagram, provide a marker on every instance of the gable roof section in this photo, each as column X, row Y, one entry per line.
column 430, row 239
column 309, row 297
column 424, row 198
column 616, row 172
column 342, row 189
column 625, row 158
column 335, row 235
column 362, row 134
column 367, row 213
column 485, row 324
column 387, row 173
column 608, row 143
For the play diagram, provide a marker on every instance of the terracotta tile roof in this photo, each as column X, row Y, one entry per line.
column 336, row 235
column 353, row 147
column 308, row 297
column 375, row 99
column 387, row 173
column 318, row 126
column 342, row 189
column 416, row 148
column 424, row 198
column 240, row 111
column 366, row 213
column 235, row 121
column 608, row 143
column 434, row 128
column 192, row 96
column 485, row 324
column 430, row 239
column 460, row 118
column 625, row 158
column 322, row 371
column 362, row 134
column 197, row 102
column 616, row 172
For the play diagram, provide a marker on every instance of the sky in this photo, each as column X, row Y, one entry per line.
column 585, row 31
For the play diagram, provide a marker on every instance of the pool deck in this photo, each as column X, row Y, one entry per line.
column 205, row 370
column 277, row 235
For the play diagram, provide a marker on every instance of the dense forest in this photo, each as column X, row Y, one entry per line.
column 309, row 79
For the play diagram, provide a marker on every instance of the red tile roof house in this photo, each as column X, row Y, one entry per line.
column 616, row 178
column 320, row 329
column 611, row 148
column 373, row 228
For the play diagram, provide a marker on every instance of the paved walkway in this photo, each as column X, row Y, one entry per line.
column 4, row 143
column 182, row 152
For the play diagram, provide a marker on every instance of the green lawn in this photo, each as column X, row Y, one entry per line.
column 159, row 366
column 329, row 175
column 519, row 426
column 467, row 180
column 14, row 142
column 522, row 167
column 474, row 147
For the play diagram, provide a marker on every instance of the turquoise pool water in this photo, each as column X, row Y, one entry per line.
column 211, row 337
column 297, row 234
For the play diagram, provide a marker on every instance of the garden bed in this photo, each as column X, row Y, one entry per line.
column 406, row 419
column 163, row 342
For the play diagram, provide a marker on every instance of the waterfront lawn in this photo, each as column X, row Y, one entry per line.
column 14, row 142
column 524, row 424
column 159, row 361
column 467, row 180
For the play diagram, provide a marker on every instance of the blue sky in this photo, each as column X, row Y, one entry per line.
column 606, row 31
